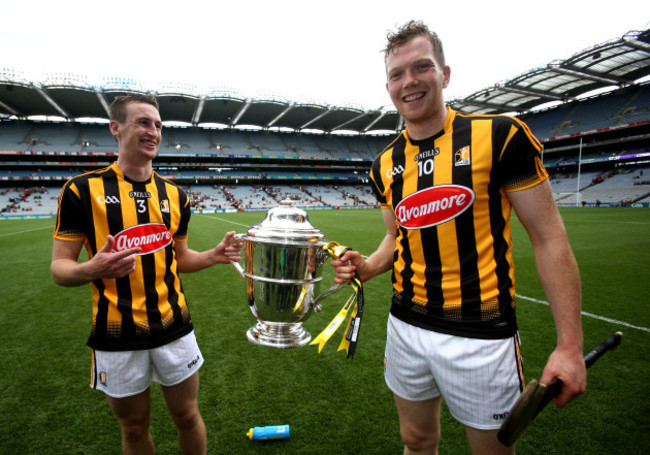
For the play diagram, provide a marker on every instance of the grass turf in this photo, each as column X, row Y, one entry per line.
column 332, row 405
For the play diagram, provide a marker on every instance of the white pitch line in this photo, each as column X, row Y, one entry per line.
column 227, row 221
column 543, row 302
column 595, row 316
column 28, row 230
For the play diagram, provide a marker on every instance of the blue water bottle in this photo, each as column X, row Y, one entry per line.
column 270, row 433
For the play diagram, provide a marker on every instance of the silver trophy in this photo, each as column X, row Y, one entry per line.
column 282, row 262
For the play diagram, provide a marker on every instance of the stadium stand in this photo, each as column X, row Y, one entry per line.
column 619, row 187
column 624, row 106
column 252, row 170
column 596, row 147
column 302, row 145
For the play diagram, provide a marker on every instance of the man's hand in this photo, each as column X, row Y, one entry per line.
column 228, row 249
column 109, row 264
column 106, row 263
column 350, row 262
column 569, row 366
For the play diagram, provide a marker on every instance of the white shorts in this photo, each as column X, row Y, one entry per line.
column 479, row 379
column 124, row 373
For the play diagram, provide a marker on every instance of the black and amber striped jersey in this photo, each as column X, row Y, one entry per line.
column 453, row 268
column 147, row 308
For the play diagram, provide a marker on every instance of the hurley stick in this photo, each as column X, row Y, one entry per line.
column 536, row 396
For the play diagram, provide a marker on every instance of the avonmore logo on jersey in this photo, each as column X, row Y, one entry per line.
column 433, row 206
column 150, row 237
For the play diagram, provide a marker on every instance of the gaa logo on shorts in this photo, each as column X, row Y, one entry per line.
column 433, row 206
column 149, row 237
column 102, row 378
column 193, row 362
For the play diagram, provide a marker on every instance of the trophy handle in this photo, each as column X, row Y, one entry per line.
column 236, row 265
column 238, row 268
column 330, row 291
column 334, row 250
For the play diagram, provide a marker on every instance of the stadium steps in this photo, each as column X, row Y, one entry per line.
column 640, row 198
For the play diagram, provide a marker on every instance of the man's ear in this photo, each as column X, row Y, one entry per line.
column 447, row 75
column 114, row 127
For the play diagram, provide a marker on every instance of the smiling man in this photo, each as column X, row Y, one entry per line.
column 447, row 185
column 416, row 76
column 134, row 225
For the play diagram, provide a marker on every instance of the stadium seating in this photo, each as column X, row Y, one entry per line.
column 623, row 106
column 330, row 170
column 621, row 186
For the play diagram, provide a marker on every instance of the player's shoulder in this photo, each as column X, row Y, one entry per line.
column 498, row 120
column 396, row 143
column 92, row 173
column 83, row 178
column 169, row 182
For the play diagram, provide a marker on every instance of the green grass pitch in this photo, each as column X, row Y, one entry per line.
column 333, row 406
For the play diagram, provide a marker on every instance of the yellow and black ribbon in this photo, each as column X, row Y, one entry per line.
column 349, row 341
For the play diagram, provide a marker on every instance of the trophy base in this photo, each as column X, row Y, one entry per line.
column 278, row 335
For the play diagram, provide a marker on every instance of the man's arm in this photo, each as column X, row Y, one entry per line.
column 190, row 260
column 559, row 275
column 377, row 263
column 66, row 271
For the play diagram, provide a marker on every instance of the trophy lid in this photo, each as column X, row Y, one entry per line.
column 285, row 224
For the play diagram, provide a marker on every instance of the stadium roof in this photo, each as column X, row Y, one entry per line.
column 617, row 63
column 614, row 64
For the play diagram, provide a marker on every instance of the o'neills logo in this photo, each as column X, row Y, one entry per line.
column 150, row 237
column 433, row 206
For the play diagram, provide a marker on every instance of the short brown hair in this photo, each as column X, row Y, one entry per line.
column 117, row 109
column 410, row 30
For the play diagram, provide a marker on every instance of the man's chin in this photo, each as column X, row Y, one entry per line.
column 151, row 152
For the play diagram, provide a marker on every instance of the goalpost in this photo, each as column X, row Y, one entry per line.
column 568, row 199
column 573, row 198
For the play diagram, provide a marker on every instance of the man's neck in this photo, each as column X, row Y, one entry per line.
column 429, row 127
column 135, row 172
